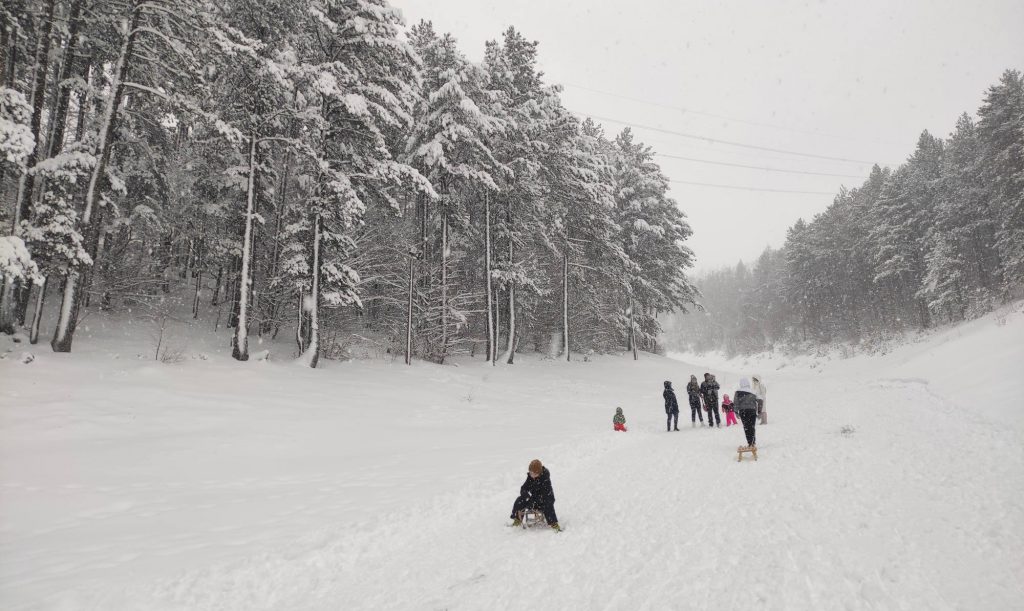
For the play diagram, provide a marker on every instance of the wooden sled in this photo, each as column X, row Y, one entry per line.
column 742, row 449
column 531, row 518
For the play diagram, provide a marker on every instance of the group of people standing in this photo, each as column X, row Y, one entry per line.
column 703, row 397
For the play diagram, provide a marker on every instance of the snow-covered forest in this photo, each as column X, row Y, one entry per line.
column 938, row 239
column 292, row 292
column 312, row 168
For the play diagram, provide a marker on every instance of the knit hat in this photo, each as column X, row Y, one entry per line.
column 726, row 400
column 618, row 410
column 536, row 466
column 668, row 384
column 745, row 385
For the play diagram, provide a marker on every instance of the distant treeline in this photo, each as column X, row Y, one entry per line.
column 938, row 239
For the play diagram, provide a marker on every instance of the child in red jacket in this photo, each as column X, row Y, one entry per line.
column 730, row 415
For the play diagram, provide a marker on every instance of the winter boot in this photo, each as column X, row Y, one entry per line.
column 517, row 522
column 555, row 527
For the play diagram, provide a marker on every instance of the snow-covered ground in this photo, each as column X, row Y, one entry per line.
column 127, row 483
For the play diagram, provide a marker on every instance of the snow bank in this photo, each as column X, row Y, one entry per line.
column 128, row 483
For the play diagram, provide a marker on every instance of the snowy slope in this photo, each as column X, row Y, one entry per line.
column 132, row 484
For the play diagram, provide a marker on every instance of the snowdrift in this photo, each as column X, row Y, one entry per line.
column 883, row 483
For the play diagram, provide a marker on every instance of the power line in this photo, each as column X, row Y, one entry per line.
column 731, row 143
column 757, row 167
column 708, row 184
column 717, row 116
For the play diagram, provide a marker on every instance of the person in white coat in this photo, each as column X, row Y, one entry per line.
column 760, row 390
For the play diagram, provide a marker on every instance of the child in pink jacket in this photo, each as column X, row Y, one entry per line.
column 730, row 414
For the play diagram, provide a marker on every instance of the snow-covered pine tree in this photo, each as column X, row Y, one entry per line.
column 653, row 231
column 1001, row 131
column 963, row 267
column 580, row 238
column 450, row 147
column 366, row 88
column 524, row 106
column 905, row 212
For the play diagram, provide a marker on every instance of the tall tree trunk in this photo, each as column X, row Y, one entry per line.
column 232, row 290
column 275, row 261
column 94, row 246
column 65, row 332
column 312, row 353
column 8, row 290
column 15, row 293
column 510, row 350
column 216, row 285
column 240, row 345
column 497, row 322
column 37, row 316
column 300, row 335
column 492, row 345
column 60, row 116
column 23, row 207
column 195, row 299
column 565, row 304
column 632, row 327
column 408, row 322
column 198, row 272
column 6, row 36
column 444, row 284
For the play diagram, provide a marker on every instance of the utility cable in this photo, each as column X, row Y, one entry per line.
column 757, row 167
column 708, row 184
column 730, row 142
column 724, row 117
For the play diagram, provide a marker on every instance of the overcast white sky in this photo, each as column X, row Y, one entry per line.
column 853, row 79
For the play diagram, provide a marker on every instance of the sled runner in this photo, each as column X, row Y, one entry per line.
column 740, row 450
column 532, row 517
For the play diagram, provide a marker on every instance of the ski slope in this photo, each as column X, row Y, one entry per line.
column 207, row 484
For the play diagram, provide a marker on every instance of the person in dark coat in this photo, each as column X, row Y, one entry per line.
column 536, row 493
column 745, row 402
column 693, row 392
column 671, row 406
column 709, row 392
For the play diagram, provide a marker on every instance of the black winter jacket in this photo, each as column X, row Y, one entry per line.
column 745, row 401
column 538, row 489
column 671, row 405
column 709, row 390
column 693, row 391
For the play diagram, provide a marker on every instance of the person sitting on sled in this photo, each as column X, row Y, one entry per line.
column 619, row 420
column 536, row 493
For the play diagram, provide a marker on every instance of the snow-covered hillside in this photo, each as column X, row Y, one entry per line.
column 890, row 482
